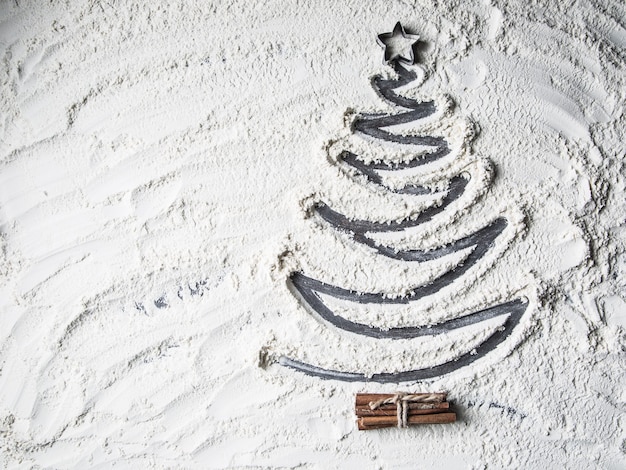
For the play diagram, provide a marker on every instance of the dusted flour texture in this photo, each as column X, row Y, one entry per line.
column 158, row 166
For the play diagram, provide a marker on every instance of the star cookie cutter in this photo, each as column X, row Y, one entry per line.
column 384, row 40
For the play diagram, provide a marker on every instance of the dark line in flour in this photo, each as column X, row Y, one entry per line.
column 515, row 309
column 455, row 190
column 369, row 170
column 309, row 288
column 482, row 238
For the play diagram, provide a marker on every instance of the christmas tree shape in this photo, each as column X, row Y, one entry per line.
column 312, row 291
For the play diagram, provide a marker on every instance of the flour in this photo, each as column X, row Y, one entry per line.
column 159, row 171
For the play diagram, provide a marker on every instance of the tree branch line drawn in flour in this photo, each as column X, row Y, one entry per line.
column 314, row 294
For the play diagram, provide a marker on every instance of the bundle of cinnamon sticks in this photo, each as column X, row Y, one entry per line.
column 381, row 410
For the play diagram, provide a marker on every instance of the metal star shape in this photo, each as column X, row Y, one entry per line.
column 398, row 45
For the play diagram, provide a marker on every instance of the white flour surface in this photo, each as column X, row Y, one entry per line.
column 158, row 171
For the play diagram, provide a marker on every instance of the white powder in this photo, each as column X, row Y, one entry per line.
column 158, row 171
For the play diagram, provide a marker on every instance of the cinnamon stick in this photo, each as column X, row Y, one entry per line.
column 377, row 422
column 366, row 398
column 360, row 412
column 412, row 406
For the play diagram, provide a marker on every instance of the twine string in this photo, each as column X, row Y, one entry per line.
column 402, row 401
